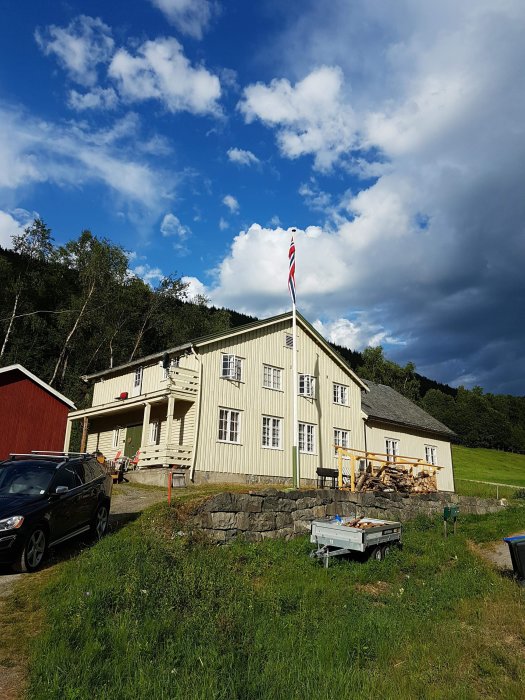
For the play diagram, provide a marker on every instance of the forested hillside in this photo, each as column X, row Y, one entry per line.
column 71, row 310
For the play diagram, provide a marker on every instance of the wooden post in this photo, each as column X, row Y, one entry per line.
column 145, row 426
column 352, row 473
column 83, row 440
column 67, row 437
column 340, row 467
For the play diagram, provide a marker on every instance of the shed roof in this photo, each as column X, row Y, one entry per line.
column 386, row 404
column 40, row 382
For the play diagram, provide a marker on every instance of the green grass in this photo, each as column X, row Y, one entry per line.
column 487, row 465
column 147, row 614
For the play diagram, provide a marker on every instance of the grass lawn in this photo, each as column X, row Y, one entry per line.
column 150, row 614
column 487, row 465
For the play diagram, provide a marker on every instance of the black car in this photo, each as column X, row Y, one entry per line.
column 47, row 499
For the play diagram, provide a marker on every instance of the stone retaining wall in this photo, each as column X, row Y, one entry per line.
column 270, row 513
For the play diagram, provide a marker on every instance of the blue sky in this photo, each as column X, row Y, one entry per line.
column 195, row 133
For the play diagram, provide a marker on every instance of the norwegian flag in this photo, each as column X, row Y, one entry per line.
column 291, row 271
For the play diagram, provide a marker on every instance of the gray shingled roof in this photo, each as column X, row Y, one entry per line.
column 384, row 403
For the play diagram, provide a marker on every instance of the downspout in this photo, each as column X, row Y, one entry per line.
column 197, row 417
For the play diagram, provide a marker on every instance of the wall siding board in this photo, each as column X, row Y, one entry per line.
column 267, row 346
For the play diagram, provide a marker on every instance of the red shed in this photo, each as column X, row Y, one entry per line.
column 33, row 415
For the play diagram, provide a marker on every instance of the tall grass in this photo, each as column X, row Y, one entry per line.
column 149, row 614
column 488, row 465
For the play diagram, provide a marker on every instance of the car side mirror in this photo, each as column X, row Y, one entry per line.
column 60, row 490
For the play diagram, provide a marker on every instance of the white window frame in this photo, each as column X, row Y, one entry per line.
column 341, row 439
column 231, row 367
column 307, row 385
column 272, row 433
column 431, row 451
column 229, row 416
column 272, row 377
column 307, row 443
column 137, row 381
column 340, row 392
column 116, row 438
column 154, row 432
column 392, row 448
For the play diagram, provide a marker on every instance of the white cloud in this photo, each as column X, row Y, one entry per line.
column 311, row 117
column 33, row 150
column 97, row 98
column 80, row 47
column 191, row 17
column 242, row 157
column 355, row 334
column 223, row 224
column 159, row 70
column 195, row 288
column 13, row 223
column 171, row 226
column 150, row 275
column 232, row 204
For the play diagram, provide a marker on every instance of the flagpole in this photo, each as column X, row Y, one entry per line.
column 295, row 449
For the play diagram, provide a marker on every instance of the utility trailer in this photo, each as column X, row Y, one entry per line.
column 367, row 536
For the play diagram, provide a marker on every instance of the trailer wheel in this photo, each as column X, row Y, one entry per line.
column 377, row 553
column 386, row 550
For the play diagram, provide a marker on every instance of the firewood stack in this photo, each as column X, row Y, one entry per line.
column 392, row 478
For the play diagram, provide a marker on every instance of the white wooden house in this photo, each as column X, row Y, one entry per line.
column 222, row 409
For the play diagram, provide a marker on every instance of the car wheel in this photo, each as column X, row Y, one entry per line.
column 100, row 522
column 34, row 551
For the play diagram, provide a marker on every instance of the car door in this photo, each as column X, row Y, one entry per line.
column 88, row 494
column 63, row 508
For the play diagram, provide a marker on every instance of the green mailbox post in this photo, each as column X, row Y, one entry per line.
column 450, row 514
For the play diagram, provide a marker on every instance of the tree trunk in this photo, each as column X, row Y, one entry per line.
column 70, row 335
column 139, row 336
column 13, row 314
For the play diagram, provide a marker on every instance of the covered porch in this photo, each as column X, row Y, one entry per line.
column 158, row 431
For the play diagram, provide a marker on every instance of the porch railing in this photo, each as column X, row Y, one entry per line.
column 157, row 455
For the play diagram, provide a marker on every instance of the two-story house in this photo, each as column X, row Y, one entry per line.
column 220, row 407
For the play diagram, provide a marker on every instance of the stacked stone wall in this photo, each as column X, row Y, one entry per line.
column 271, row 513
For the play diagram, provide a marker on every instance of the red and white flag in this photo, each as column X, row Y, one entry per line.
column 291, row 270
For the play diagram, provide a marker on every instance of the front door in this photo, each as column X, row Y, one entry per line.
column 133, row 440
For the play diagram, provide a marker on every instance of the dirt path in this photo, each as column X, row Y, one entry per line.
column 126, row 503
column 498, row 554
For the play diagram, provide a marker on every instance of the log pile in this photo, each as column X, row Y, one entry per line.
column 392, row 478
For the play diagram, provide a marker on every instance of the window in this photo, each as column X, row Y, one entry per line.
column 341, row 394
column 66, row 477
column 229, row 425
column 288, row 341
column 431, row 454
column 137, row 382
column 154, row 433
column 271, row 432
column 392, row 449
column 166, row 370
column 272, row 377
column 231, row 367
column 116, row 438
column 306, row 385
column 306, row 438
column 341, row 439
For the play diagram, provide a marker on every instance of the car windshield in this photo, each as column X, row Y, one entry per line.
column 26, row 477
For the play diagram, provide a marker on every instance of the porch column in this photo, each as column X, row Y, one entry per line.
column 67, row 437
column 169, row 423
column 145, row 426
column 83, row 439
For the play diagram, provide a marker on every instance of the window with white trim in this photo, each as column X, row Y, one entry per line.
column 341, row 394
column 431, row 454
column 306, row 385
column 229, row 425
column 272, row 432
column 272, row 377
column 392, row 449
column 231, row 367
column 307, row 438
column 341, row 439
column 154, row 433
column 116, row 438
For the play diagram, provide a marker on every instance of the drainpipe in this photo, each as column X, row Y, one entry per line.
column 197, row 417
